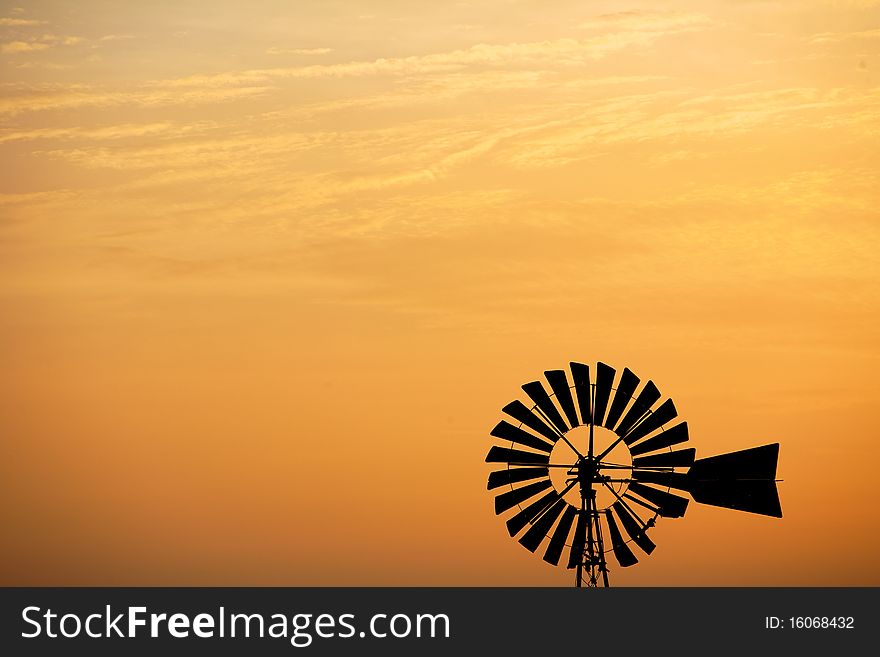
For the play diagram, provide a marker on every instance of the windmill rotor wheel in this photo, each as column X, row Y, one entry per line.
column 591, row 462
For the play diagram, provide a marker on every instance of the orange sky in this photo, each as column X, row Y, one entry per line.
column 270, row 270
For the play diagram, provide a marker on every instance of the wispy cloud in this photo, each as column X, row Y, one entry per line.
column 61, row 40
column 495, row 62
column 19, row 22
column 48, row 66
column 116, row 37
column 647, row 21
column 16, row 47
column 68, row 98
column 836, row 37
column 43, row 42
column 103, row 133
column 675, row 115
column 556, row 52
column 298, row 51
column 311, row 159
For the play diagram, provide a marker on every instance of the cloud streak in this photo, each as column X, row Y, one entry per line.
column 80, row 97
column 555, row 52
column 298, row 51
column 17, row 47
column 19, row 22
column 35, row 44
column 643, row 21
column 837, row 37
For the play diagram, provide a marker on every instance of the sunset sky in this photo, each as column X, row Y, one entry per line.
column 269, row 271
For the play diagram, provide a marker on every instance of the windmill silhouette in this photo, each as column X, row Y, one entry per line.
column 591, row 458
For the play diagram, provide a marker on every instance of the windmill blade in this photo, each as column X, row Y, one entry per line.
column 560, row 534
column 538, row 531
column 672, row 436
column 677, row 480
column 634, row 527
column 669, row 505
column 743, row 480
column 519, row 411
column 506, row 455
column 622, row 553
column 559, row 384
column 535, row 391
column 580, row 374
column 604, row 381
column 514, row 434
column 521, row 519
column 664, row 413
column 579, row 540
column 513, row 475
column 625, row 389
column 516, row 496
column 641, row 405
column 641, row 503
column 681, row 458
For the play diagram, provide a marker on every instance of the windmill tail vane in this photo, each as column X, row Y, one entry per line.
column 591, row 465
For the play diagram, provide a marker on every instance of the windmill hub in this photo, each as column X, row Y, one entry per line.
column 613, row 468
column 588, row 474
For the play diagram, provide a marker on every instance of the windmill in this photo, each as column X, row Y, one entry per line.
column 591, row 466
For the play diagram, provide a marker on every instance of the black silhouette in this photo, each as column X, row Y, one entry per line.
column 640, row 492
